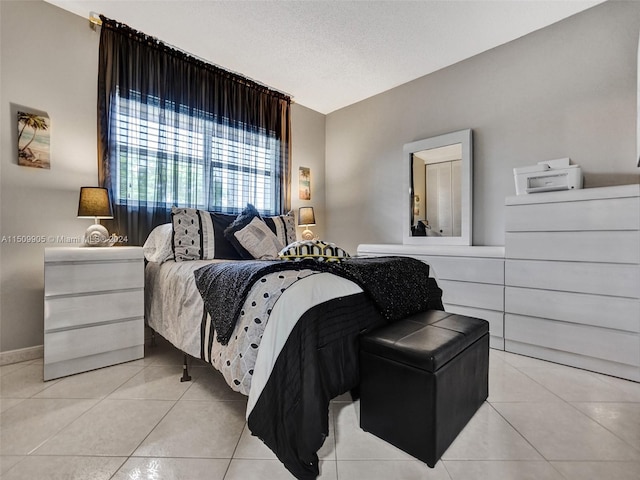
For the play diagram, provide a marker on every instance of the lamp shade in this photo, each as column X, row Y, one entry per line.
column 306, row 216
column 94, row 203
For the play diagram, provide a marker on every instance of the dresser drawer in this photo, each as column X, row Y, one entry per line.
column 610, row 214
column 467, row 269
column 606, row 344
column 83, row 277
column 612, row 247
column 469, row 294
column 495, row 319
column 77, row 311
column 83, row 342
column 596, row 310
column 618, row 280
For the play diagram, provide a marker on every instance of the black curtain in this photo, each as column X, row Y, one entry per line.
column 161, row 115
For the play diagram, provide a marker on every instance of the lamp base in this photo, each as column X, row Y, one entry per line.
column 307, row 234
column 97, row 236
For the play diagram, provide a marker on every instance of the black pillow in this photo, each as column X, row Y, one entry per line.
column 223, row 249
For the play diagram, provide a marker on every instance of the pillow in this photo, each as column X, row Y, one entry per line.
column 158, row 247
column 314, row 249
column 241, row 221
column 258, row 239
column 193, row 227
column 223, row 248
column 193, row 235
column 284, row 226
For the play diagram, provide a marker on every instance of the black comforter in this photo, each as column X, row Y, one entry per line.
column 318, row 363
column 320, row 357
column 397, row 285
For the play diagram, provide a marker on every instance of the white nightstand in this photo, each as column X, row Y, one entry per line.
column 93, row 308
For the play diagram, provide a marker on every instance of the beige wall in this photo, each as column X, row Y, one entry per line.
column 49, row 62
column 568, row 90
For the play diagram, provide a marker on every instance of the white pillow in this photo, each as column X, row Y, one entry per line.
column 158, row 248
column 258, row 239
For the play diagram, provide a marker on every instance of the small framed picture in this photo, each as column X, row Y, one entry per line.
column 304, row 183
column 33, row 140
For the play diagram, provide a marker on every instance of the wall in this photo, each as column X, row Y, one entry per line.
column 568, row 90
column 49, row 64
column 308, row 151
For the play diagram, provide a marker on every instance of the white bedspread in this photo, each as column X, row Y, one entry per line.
column 174, row 309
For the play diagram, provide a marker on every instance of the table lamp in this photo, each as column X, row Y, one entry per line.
column 94, row 203
column 306, row 218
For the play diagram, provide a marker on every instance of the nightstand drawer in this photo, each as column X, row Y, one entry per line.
column 67, row 312
column 85, row 342
column 75, row 277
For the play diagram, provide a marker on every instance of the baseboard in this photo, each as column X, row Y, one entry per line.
column 21, row 355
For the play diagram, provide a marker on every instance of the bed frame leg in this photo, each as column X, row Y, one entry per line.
column 153, row 338
column 185, row 370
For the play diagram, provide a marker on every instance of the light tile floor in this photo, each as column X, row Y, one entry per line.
column 137, row 421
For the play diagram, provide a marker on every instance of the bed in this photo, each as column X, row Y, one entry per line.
column 282, row 332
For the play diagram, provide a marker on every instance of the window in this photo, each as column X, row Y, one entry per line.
column 175, row 130
column 170, row 154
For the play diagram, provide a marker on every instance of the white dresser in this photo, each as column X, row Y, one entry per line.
column 93, row 308
column 471, row 279
column 572, row 278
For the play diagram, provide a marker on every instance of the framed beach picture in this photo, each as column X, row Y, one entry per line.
column 33, row 140
column 304, row 183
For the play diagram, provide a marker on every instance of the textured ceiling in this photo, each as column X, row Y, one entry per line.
column 329, row 54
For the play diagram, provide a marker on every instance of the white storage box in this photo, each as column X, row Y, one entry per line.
column 547, row 177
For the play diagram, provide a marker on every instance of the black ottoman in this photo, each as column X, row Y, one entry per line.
column 422, row 379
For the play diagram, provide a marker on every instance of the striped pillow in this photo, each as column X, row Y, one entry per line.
column 199, row 235
column 314, row 249
column 284, row 226
column 193, row 235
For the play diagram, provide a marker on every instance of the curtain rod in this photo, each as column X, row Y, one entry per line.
column 95, row 21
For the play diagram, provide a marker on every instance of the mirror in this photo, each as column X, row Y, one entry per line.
column 438, row 207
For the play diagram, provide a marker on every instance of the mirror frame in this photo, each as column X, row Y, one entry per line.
column 465, row 138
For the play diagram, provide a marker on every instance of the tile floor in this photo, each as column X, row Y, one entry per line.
column 137, row 421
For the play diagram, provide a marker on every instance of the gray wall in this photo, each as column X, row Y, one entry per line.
column 49, row 63
column 308, row 151
column 568, row 90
